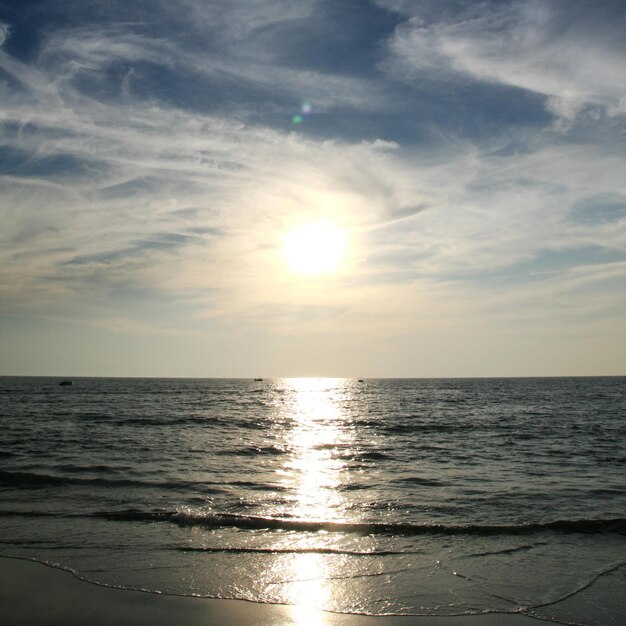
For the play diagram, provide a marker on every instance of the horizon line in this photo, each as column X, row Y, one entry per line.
column 314, row 377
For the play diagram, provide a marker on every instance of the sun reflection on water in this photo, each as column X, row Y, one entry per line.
column 313, row 473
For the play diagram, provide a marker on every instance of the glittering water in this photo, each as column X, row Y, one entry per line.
column 382, row 496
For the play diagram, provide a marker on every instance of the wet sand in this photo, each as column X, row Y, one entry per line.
column 34, row 593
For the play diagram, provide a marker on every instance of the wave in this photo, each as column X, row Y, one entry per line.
column 35, row 480
column 416, row 480
column 369, row 456
column 248, row 522
column 246, row 484
column 168, row 420
column 255, row 451
column 295, row 551
column 354, row 487
column 187, row 518
column 34, row 514
column 420, row 428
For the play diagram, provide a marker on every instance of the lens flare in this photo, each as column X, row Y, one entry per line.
column 305, row 110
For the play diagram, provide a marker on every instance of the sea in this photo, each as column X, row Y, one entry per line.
column 379, row 497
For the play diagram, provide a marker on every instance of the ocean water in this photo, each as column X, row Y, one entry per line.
column 424, row 497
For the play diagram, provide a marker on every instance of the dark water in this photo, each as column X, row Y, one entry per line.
column 384, row 496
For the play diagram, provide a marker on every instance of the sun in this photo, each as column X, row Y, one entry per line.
column 315, row 248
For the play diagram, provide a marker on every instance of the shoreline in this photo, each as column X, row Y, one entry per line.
column 33, row 592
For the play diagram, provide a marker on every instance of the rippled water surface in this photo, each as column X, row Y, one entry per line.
column 382, row 496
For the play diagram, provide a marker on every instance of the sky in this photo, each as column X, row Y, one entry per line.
column 155, row 154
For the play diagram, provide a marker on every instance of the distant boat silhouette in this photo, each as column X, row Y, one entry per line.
column 258, row 380
column 360, row 380
column 65, row 383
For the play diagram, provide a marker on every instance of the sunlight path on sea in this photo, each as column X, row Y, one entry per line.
column 313, row 473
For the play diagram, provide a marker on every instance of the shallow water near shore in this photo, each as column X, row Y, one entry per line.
column 382, row 497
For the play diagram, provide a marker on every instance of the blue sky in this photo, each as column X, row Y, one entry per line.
column 150, row 164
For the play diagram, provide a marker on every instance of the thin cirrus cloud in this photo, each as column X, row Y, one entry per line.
column 149, row 165
column 563, row 50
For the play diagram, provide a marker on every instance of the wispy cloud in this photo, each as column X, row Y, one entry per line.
column 4, row 33
column 573, row 56
column 149, row 166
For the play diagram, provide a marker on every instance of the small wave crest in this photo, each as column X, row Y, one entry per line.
column 417, row 480
column 292, row 551
column 35, row 480
column 254, row 451
column 247, row 522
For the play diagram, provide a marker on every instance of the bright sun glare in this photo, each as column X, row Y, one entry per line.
column 315, row 248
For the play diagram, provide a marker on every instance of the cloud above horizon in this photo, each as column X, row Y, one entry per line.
column 150, row 164
column 566, row 52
